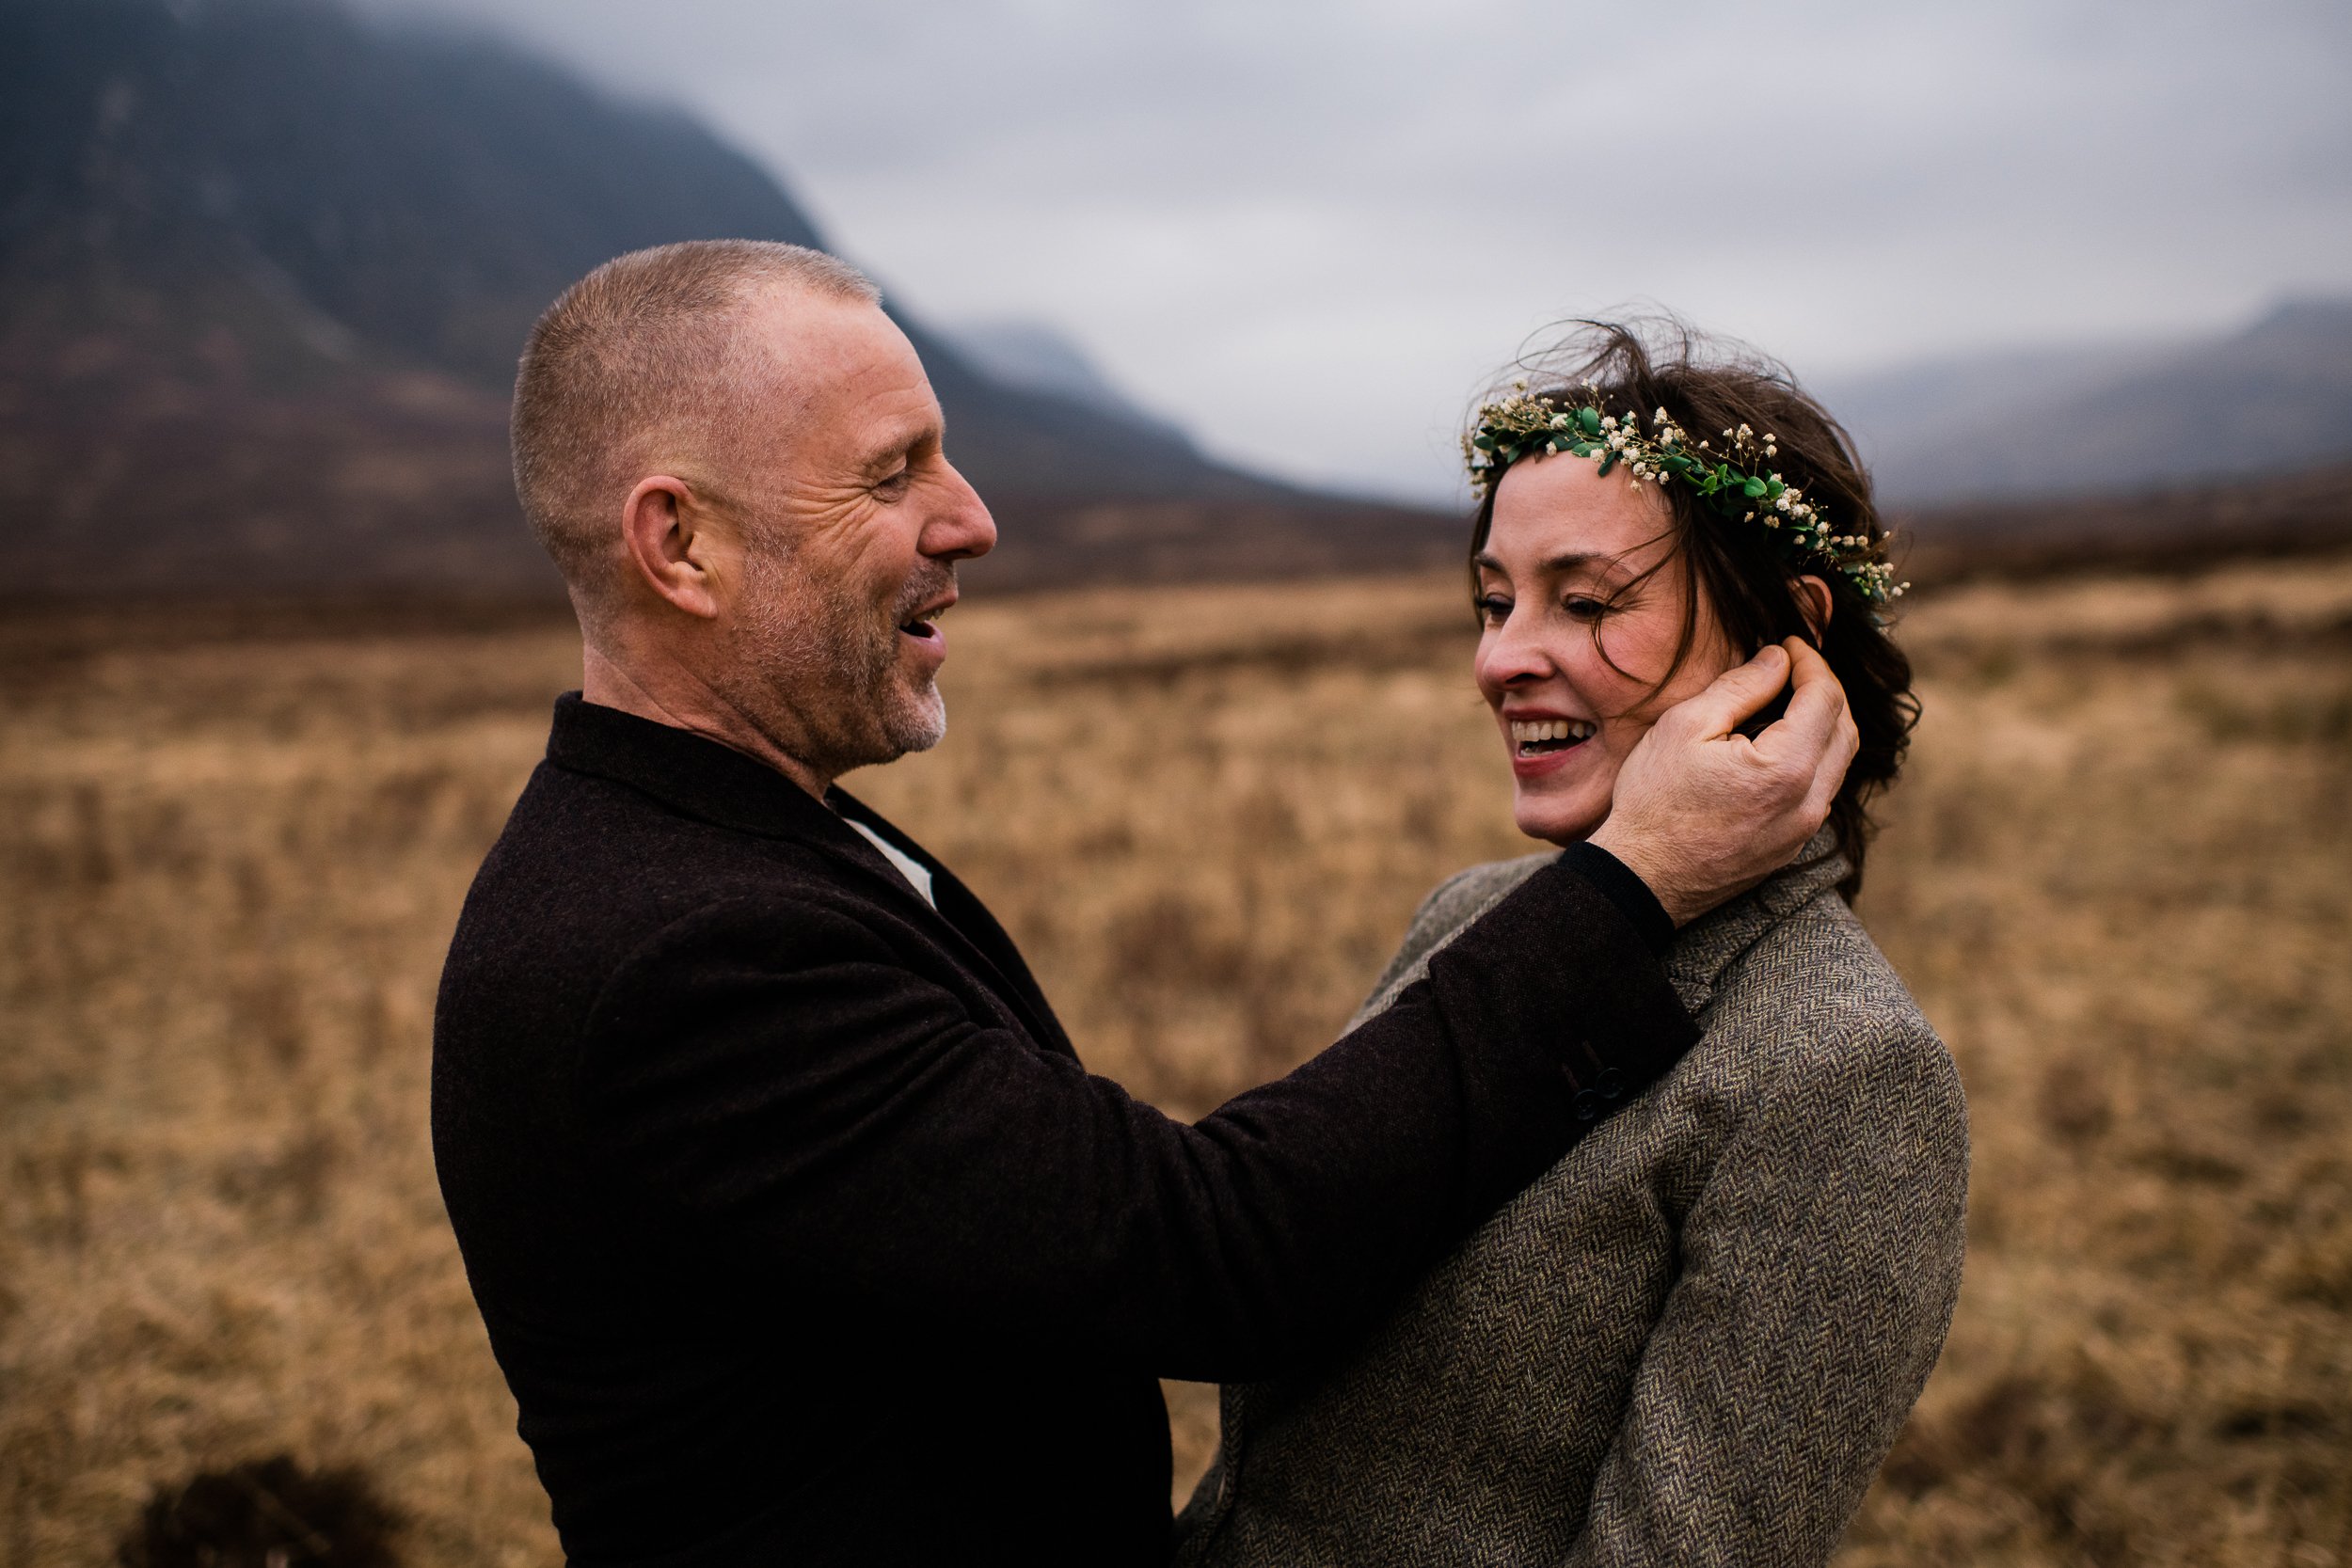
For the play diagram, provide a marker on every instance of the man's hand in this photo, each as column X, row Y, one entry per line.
column 1702, row 814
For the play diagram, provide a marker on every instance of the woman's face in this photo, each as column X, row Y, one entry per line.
column 1577, row 641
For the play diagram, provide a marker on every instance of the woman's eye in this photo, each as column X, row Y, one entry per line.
column 1494, row 610
column 1583, row 608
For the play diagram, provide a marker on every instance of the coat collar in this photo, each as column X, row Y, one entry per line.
column 1704, row 949
column 701, row 778
column 688, row 772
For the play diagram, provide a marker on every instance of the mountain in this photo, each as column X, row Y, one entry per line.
column 2177, row 528
column 264, row 271
column 1039, row 357
column 2271, row 399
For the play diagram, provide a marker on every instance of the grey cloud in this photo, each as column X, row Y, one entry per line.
column 1368, row 202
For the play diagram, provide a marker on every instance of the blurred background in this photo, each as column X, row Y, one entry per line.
column 1206, row 291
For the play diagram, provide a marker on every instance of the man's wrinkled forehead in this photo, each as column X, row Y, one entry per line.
column 831, row 358
column 829, row 397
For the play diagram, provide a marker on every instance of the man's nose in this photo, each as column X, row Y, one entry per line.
column 961, row 528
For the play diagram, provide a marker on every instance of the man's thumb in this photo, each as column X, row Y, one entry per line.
column 1737, row 692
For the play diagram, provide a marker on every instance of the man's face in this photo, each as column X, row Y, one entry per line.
column 853, row 519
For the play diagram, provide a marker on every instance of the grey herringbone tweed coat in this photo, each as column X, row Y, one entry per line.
column 1694, row 1339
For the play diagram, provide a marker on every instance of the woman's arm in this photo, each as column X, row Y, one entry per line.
column 1819, row 1267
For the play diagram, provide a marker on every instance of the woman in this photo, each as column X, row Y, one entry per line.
column 1696, row 1337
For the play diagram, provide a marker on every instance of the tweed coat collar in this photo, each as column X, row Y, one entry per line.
column 716, row 784
column 1708, row 946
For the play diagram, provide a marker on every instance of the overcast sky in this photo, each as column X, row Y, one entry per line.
column 1309, row 229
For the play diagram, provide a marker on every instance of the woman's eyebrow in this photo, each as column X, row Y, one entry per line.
column 1571, row 561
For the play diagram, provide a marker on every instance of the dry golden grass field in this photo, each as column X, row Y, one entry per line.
column 2119, row 876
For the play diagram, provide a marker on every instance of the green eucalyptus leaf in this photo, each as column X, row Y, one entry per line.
column 1588, row 419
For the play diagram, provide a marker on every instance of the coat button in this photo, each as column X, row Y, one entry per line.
column 1611, row 1083
column 1587, row 1105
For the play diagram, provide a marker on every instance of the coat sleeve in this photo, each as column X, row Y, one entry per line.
column 780, row 1083
column 1820, row 1264
column 1451, row 906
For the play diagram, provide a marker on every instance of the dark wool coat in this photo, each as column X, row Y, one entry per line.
column 802, row 1236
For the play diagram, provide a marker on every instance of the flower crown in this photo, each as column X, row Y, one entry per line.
column 1735, row 484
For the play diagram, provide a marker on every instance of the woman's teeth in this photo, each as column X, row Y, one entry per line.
column 1534, row 737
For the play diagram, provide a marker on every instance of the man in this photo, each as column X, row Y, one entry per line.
column 799, row 1232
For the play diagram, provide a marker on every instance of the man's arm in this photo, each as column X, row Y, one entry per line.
column 1819, row 1271
column 780, row 1084
column 778, row 1081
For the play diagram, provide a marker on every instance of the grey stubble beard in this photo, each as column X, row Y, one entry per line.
column 806, row 642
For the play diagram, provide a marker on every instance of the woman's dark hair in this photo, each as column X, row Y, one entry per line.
column 1751, row 586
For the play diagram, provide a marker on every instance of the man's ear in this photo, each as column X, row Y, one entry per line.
column 664, row 531
column 1813, row 602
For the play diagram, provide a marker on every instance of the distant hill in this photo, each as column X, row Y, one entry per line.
column 264, row 271
column 2272, row 399
column 1041, row 358
column 2181, row 527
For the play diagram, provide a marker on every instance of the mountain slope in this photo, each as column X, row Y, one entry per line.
column 264, row 271
column 2273, row 398
column 1036, row 355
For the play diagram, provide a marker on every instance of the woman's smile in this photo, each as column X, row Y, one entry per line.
column 1544, row 742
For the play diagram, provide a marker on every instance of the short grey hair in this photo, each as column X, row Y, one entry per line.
column 641, row 350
